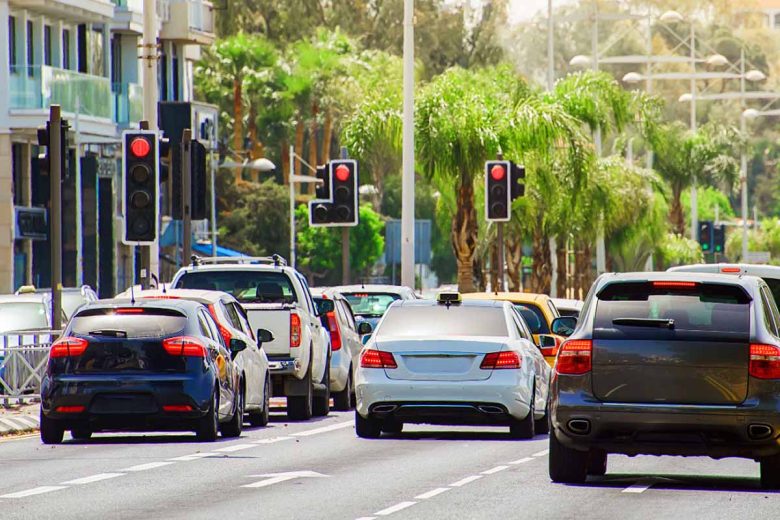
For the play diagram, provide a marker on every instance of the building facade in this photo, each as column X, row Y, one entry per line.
column 82, row 55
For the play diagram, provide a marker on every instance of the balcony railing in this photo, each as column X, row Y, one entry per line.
column 129, row 103
column 40, row 86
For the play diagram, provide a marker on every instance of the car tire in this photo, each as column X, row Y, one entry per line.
column 299, row 407
column 51, row 431
column 261, row 418
column 342, row 401
column 523, row 428
column 770, row 472
column 235, row 425
column 393, row 427
column 542, row 426
column 321, row 402
column 567, row 465
column 81, row 434
column 367, row 428
column 208, row 425
column 597, row 463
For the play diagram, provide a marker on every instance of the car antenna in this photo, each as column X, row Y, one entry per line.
column 132, row 294
column 164, row 291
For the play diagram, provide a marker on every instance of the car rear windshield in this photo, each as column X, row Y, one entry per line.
column 678, row 306
column 22, row 316
column 534, row 317
column 246, row 286
column 370, row 304
column 457, row 320
column 152, row 323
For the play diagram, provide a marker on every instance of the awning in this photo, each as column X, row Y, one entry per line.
column 205, row 250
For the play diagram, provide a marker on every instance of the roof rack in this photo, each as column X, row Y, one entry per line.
column 276, row 260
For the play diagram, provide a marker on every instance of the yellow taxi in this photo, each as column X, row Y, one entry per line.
column 538, row 310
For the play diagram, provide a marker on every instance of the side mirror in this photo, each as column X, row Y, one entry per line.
column 236, row 346
column 364, row 328
column 324, row 306
column 548, row 345
column 264, row 336
column 564, row 326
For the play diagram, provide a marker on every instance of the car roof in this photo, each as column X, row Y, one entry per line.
column 231, row 267
column 25, row 298
column 373, row 288
column 199, row 295
column 186, row 306
column 515, row 297
column 434, row 303
column 744, row 281
column 567, row 303
column 764, row 271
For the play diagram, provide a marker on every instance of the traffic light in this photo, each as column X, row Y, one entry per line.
column 518, row 182
column 140, row 185
column 705, row 235
column 498, row 191
column 322, row 189
column 718, row 238
column 198, row 180
column 44, row 140
column 337, row 198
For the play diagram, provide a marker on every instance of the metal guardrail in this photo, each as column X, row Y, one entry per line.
column 23, row 356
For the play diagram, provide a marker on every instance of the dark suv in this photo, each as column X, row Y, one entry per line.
column 668, row 364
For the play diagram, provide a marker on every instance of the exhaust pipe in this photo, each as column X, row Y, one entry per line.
column 759, row 431
column 579, row 426
column 490, row 409
column 385, row 408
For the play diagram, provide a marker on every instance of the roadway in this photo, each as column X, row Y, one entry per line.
column 320, row 470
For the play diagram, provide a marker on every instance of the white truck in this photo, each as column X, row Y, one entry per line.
column 281, row 311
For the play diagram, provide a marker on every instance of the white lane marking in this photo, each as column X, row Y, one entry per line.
column 194, row 456
column 276, row 478
column 521, row 461
column 236, row 447
column 34, row 491
column 149, row 465
column 324, row 429
column 494, row 470
column 541, row 453
column 432, row 493
column 366, row 518
column 92, row 478
column 464, row 481
column 394, row 509
column 639, row 487
column 272, row 440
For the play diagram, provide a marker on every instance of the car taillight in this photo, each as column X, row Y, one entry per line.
column 371, row 358
column 184, row 346
column 68, row 347
column 70, row 409
column 674, row 284
column 335, row 332
column 177, row 408
column 574, row 357
column 499, row 360
column 224, row 331
column 764, row 361
column 295, row 330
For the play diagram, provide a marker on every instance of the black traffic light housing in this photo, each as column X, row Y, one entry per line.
column 706, row 235
column 198, row 180
column 498, row 191
column 140, row 186
column 337, row 199
column 718, row 238
column 517, row 180
column 44, row 140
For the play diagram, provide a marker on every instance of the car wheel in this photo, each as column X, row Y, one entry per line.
column 235, row 425
column 393, row 427
column 261, row 418
column 81, row 434
column 51, row 431
column 208, row 425
column 367, row 428
column 523, row 428
column 321, row 404
column 770, row 472
column 542, row 425
column 342, row 401
column 299, row 406
column 597, row 463
column 567, row 465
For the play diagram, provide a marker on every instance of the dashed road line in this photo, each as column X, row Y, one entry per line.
column 324, row 429
column 272, row 440
column 194, row 456
column 34, row 491
column 236, row 447
column 394, row 509
column 464, row 481
column 639, row 487
column 541, row 453
column 432, row 493
column 92, row 478
column 366, row 518
column 522, row 461
column 148, row 465
column 494, row 470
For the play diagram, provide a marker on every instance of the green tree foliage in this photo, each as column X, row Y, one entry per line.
column 678, row 250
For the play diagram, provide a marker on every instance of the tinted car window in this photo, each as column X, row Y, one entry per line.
column 370, row 304
column 534, row 317
column 245, row 286
column 774, row 287
column 769, row 319
column 231, row 314
column 22, row 316
column 458, row 320
column 150, row 324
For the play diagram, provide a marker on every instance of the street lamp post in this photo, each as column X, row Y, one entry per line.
column 299, row 179
column 407, row 184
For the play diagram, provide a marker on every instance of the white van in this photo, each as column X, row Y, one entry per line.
column 770, row 273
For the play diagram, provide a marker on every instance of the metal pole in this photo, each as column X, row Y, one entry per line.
column 550, row 86
column 55, row 215
column 345, row 263
column 500, row 239
column 149, row 62
column 186, row 195
column 79, row 212
column 649, row 81
column 601, row 256
column 292, row 207
column 694, row 191
column 407, row 185
column 743, row 159
column 213, row 204
column 146, row 251
column 550, row 47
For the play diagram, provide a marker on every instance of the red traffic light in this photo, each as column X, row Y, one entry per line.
column 140, row 147
column 342, row 173
column 498, row 172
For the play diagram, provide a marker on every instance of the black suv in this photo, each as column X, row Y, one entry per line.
column 668, row 364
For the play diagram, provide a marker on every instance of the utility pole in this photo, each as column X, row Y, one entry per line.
column 149, row 61
column 407, row 185
column 694, row 188
column 292, row 206
column 55, row 213
column 186, row 195
column 550, row 85
column 346, row 265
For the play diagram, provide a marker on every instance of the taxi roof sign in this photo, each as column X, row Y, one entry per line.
column 449, row 298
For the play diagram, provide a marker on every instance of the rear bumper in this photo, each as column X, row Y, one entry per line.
column 283, row 366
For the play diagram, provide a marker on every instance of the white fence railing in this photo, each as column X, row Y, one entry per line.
column 23, row 357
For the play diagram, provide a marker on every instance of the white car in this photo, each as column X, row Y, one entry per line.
column 370, row 301
column 567, row 307
column 451, row 362
column 769, row 273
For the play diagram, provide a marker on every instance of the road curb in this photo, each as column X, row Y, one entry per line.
column 18, row 424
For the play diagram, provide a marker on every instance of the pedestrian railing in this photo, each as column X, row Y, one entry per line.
column 23, row 356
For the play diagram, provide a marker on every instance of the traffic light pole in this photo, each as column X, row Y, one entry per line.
column 186, row 195
column 55, row 214
column 146, row 251
column 346, row 266
column 501, row 256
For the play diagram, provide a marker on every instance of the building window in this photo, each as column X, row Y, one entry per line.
column 163, row 77
column 30, row 49
column 777, row 21
column 116, row 59
column 47, row 45
column 174, row 75
column 82, row 48
column 12, row 42
column 96, row 52
column 66, row 49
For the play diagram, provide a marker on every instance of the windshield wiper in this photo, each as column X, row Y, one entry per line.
column 660, row 323
column 109, row 333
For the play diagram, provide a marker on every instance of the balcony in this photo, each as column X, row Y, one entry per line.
column 128, row 103
column 85, row 11
column 189, row 21
column 129, row 16
column 36, row 88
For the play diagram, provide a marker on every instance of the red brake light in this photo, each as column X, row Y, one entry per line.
column 499, row 360
column 177, row 408
column 185, row 346
column 497, row 172
column 224, row 331
column 295, row 330
column 68, row 347
column 129, row 310
column 70, row 409
column 764, row 361
column 140, row 147
column 574, row 357
column 674, row 284
column 335, row 332
column 371, row 358
column 730, row 270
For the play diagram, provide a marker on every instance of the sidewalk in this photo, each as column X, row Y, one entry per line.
column 19, row 418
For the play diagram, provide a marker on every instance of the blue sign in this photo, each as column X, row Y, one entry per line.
column 422, row 242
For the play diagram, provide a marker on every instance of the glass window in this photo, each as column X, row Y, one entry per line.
column 66, row 49
column 12, row 43
column 246, row 286
column 520, row 323
column 245, row 326
column 47, row 45
column 534, row 317
column 213, row 329
column 370, row 304
column 23, row 316
column 438, row 320
column 231, row 314
column 347, row 313
column 204, row 328
column 769, row 319
column 151, row 323
column 30, row 48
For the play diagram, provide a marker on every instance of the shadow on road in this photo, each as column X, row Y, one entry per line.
column 674, row 482
column 455, row 435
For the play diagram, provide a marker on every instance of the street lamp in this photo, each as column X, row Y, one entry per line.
column 299, row 179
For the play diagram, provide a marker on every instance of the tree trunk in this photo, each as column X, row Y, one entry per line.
column 313, row 148
column 255, row 146
column 299, row 134
column 676, row 212
column 541, row 275
column 562, row 282
column 285, row 161
column 238, row 121
column 514, row 257
column 493, row 275
column 327, row 138
column 464, row 235
column 584, row 271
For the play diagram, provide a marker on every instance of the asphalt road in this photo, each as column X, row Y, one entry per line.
column 321, row 470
